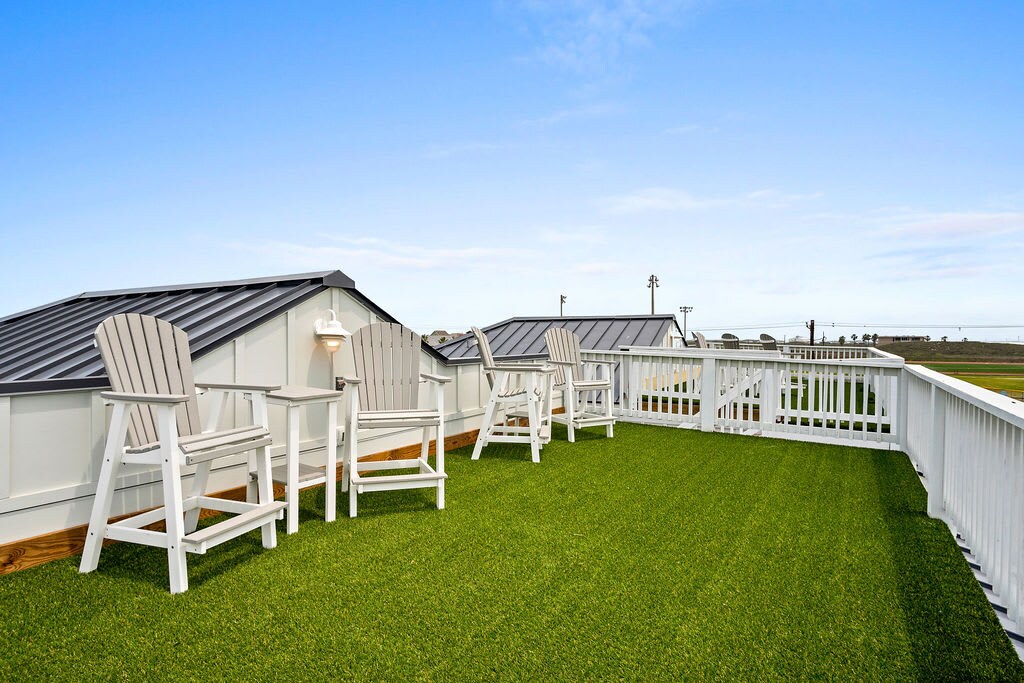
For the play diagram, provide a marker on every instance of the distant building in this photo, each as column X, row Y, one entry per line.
column 438, row 337
column 523, row 338
column 882, row 341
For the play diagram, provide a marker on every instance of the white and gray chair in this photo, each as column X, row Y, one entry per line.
column 519, row 391
column 571, row 378
column 386, row 359
column 155, row 410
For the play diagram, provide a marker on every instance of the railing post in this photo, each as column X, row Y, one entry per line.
column 901, row 412
column 937, row 454
column 708, row 394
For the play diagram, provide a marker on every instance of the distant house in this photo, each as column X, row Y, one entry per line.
column 882, row 341
column 523, row 338
column 438, row 337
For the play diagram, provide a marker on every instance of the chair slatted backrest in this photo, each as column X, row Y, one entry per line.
column 768, row 343
column 486, row 357
column 145, row 355
column 387, row 359
column 563, row 345
column 702, row 342
column 730, row 341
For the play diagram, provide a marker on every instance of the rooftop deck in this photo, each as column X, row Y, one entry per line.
column 662, row 553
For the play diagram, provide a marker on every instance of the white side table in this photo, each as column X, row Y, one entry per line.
column 295, row 475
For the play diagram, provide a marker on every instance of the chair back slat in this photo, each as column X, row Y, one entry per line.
column 486, row 357
column 145, row 355
column 563, row 345
column 386, row 356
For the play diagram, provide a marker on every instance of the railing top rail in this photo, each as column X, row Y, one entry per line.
column 743, row 354
column 998, row 405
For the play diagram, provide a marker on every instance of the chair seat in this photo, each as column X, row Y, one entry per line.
column 589, row 384
column 368, row 416
column 201, row 442
column 516, row 392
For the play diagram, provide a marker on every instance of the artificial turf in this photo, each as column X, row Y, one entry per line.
column 659, row 554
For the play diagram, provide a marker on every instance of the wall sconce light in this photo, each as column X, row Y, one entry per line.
column 330, row 333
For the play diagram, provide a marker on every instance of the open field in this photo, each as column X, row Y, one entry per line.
column 661, row 554
column 985, row 352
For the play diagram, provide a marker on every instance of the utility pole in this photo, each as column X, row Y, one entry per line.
column 652, row 282
column 561, row 305
column 810, row 326
column 684, row 310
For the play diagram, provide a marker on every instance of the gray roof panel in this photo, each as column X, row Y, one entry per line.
column 524, row 337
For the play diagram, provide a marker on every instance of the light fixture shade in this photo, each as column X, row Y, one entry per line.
column 330, row 333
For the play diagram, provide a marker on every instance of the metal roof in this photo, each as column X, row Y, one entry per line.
column 50, row 348
column 524, row 337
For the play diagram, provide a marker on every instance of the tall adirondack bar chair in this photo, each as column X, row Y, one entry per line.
column 518, row 391
column 155, row 409
column 730, row 341
column 386, row 358
column 702, row 342
column 570, row 378
column 768, row 343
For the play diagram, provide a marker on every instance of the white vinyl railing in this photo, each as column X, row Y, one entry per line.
column 847, row 401
column 968, row 443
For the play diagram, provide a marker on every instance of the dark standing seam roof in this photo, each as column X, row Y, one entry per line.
column 50, row 348
column 524, row 337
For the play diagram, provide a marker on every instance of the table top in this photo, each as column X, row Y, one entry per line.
column 299, row 394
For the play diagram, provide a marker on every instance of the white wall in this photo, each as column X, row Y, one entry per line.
column 51, row 443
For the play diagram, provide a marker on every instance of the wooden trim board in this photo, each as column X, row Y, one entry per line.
column 56, row 545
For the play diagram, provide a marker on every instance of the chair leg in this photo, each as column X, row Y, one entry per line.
column 425, row 449
column 265, row 484
column 331, row 465
column 174, row 516
column 105, row 489
column 485, row 426
column 291, row 493
column 199, row 482
column 440, row 460
column 352, row 501
column 533, row 417
column 570, row 412
column 610, row 429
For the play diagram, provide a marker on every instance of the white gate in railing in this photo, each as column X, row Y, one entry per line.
column 969, row 444
column 846, row 401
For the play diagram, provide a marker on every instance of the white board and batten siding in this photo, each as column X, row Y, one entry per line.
column 51, row 442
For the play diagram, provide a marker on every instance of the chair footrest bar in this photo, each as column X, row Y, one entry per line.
column 215, row 534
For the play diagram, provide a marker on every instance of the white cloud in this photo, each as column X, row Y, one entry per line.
column 672, row 199
column 593, row 35
column 372, row 252
column 587, row 111
column 690, row 128
column 952, row 224
column 459, row 148
column 584, row 235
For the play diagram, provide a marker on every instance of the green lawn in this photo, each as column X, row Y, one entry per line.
column 974, row 368
column 660, row 554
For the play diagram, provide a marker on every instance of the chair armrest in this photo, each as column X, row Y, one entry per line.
column 440, row 379
column 352, row 380
column 519, row 367
column 233, row 386
column 156, row 399
column 567, row 363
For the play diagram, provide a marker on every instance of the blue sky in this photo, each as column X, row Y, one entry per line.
column 771, row 162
